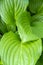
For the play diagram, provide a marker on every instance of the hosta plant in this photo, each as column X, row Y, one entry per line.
column 21, row 32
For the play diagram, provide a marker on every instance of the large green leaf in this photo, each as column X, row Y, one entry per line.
column 35, row 5
column 15, row 52
column 24, row 28
column 10, row 10
column 37, row 25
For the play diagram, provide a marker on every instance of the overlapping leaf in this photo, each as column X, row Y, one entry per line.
column 10, row 9
column 35, row 5
column 37, row 25
column 24, row 28
column 14, row 52
column 27, row 50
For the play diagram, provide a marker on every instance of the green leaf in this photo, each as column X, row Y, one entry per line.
column 35, row 5
column 37, row 25
column 40, row 61
column 14, row 52
column 10, row 10
column 24, row 28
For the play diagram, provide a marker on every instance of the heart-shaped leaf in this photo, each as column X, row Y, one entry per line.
column 15, row 52
column 35, row 5
column 10, row 10
column 24, row 28
column 37, row 25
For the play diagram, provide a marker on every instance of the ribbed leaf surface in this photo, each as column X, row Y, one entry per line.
column 14, row 52
column 24, row 28
column 10, row 9
column 37, row 25
column 35, row 5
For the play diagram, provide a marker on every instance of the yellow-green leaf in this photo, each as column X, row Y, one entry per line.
column 24, row 28
column 15, row 52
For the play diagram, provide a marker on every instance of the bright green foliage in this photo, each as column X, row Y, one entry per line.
column 15, row 52
column 21, row 32
column 24, row 28
column 10, row 9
